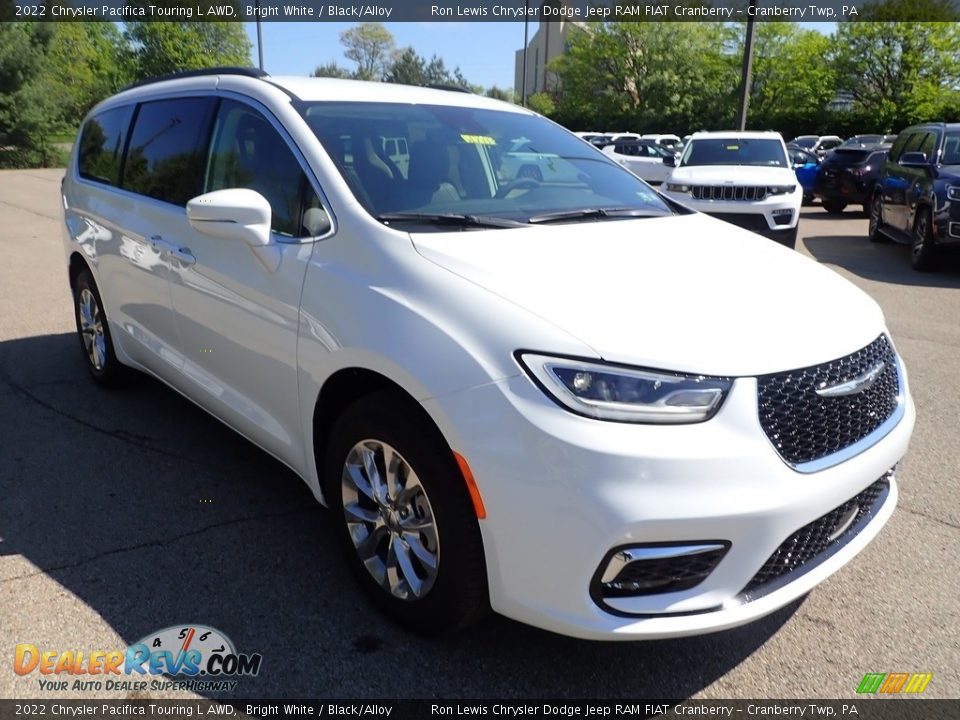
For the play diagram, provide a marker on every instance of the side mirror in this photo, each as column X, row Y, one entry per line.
column 236, row 214
column 670, row 160
column 914, row 159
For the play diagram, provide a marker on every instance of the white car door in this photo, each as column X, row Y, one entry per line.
column 642, row 160
column 237, row 309
column 125, row 227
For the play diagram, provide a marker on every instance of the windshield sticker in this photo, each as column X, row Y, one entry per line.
column 479, row 139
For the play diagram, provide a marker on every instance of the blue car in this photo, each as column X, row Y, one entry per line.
column 805, row 165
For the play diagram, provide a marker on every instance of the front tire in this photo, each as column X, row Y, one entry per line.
column 403, row 516
column 93, row 331
column 923, row 252
column 834, row 207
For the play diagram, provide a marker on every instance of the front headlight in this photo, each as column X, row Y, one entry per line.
column 953, row 192
column 781, row 189
column 610, row 392
column 677, row 187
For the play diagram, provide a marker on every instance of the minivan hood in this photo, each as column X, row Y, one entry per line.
column 687, row 293
column 732, row 175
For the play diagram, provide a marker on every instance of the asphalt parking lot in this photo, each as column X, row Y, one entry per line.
column 122, row 513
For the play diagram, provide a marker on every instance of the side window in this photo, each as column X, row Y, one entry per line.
column 897, row 150
column 248, row 152
column 927, row 145
column 101, row 145
column 913, row 144
column 164, row 160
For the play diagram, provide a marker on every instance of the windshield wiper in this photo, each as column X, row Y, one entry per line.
column 487, row 221
column 593, row 213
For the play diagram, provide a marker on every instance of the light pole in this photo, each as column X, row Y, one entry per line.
column 746, row 75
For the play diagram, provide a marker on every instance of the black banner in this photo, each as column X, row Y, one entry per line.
column 485, row 10
column 868, row 708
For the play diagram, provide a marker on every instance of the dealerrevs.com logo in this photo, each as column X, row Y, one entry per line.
column 196, row 657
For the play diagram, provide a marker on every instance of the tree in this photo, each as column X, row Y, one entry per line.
column 897, row 68
column 28, row 107
column 410, row 68
column 85, row 63
column 500, row 94
column 371, row 47
column 407, row 69
column 648, row 76
column 542, row 103
column 331, row 70
column 792, row 75
column 160, row 48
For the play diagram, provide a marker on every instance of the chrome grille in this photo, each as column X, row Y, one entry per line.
column 804, row 426
column 747, row 193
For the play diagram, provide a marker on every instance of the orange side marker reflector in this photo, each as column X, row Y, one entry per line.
column 472, row 488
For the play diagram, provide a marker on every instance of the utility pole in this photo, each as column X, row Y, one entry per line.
column 746, row 75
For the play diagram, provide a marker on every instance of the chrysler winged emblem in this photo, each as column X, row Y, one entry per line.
column 852, row 387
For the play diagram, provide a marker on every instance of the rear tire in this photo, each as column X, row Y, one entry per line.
column 875, row 215
column 834, row 207
column 403, row 515
column 93, row 331
column 923, row 252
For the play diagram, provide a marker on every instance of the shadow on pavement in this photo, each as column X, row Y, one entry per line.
column 884, row 262
column 154, row 514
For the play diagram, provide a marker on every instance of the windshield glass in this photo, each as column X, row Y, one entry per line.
column 470, row 162
column 805, row 141
column 863, row 140
column 766, row 152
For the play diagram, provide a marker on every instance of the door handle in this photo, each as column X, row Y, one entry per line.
column 182, row 254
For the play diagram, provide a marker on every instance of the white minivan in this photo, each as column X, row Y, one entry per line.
column 577, row 403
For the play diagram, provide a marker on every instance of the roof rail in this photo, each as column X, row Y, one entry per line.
column 245, row 71
column 451, row 88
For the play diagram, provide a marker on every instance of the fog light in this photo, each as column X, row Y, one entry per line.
column 659, row 568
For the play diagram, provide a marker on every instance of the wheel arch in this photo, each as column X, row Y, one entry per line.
column 76, row 266
column 343, row 388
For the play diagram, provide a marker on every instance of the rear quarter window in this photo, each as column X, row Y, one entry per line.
column 101, row 145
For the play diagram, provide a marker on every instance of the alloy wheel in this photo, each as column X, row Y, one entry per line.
column 91, row 329
column 390, row 520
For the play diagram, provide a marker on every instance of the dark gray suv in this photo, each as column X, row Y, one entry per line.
column 917, row 199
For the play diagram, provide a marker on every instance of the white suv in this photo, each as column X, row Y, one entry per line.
column 744, row 178
column 571, row 400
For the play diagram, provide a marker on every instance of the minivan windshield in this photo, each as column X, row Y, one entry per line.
column 765, row 152
column 478, row 167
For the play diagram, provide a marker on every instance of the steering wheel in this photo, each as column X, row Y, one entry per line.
column 525, row 183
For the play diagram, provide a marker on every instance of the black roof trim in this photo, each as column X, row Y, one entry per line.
column 245, row 71
column 451, row 88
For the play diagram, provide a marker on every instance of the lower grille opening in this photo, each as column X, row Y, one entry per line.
column 810, row 544
column 653, row 569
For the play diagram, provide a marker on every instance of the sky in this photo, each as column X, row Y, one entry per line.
column 484, row 51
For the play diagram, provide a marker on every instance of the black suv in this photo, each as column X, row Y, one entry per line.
column 848, row 176
column 917, row 199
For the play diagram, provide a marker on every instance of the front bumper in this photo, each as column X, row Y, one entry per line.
column 775, row 216
column 561, row 491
